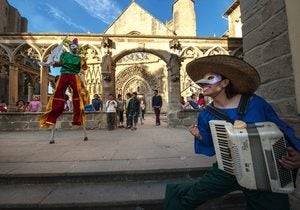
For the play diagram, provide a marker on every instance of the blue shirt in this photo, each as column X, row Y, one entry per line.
column 258, row 111
column 97, row 104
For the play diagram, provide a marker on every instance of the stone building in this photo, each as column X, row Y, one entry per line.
column 10, row 19
column 271, row 35
column 136, row 53
column 143, row 72
column 233, row 15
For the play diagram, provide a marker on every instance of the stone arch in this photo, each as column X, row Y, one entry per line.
column 162, row 54
column 4, row 50
column 134, row 71
column 48, row 50
column 38, row 55
column 5, row 59
column 97, row 53
column 191, row 52
column 217, row 50
column 143, row 88
column 132, row 80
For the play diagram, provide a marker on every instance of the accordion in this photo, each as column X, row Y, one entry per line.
column 252, row 155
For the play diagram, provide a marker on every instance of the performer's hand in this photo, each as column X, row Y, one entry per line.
column 195, row 131
column 239, row 124
column 291, row 160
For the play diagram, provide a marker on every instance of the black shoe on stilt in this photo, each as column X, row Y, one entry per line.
column 85, row 138
column 52, row 142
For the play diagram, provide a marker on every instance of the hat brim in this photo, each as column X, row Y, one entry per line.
column 244, row 77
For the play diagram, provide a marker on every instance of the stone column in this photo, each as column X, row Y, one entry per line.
column 44, row 87
column 30, row 92
column 13, row 85
column 173, row 65
column 108, row 76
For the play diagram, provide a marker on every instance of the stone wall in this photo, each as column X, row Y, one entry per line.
column 10, row 19
column 16, row 121
column 266, row 46
column 183, row 118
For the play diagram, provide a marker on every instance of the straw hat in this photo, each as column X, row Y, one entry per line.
column 243, row 76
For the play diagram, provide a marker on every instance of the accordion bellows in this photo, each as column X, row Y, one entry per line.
column 252, row 155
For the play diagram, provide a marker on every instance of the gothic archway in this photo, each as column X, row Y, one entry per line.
column 4, row 74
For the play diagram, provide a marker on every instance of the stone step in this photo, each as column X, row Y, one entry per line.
column 103, row 176
column 113, row 196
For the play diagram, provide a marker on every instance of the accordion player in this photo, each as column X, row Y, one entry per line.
column 251, row 154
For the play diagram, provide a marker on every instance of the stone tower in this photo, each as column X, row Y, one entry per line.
column 184, row 17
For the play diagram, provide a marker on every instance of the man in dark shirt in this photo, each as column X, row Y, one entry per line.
column 133, row 110
column 156, row 105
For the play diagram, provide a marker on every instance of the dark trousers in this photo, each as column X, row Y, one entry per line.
column 128, row 121
column 121, row 116
column 157, row 113
column 133, row 118
column 111, row 120
column 143, row 114
column 216, row 183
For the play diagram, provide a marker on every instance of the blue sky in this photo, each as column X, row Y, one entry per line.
column 95, row 15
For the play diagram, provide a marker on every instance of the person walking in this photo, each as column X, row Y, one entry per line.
column 134, row 110
column 128, row 121
column 156, row 105
column 143, row 110
column 111, row 107
column 120, row 110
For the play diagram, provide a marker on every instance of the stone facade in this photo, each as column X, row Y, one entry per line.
column 135, row 21
column 136, row 53
column 266, row 46
column 10, row 19
column 233, row 15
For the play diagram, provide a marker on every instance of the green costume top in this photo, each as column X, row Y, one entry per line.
column 70, row 63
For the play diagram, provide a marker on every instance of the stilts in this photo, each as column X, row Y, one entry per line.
column 52, row 135
column 85, row 137
column 84, row 133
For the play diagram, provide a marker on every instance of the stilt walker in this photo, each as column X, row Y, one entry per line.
column 71, row 64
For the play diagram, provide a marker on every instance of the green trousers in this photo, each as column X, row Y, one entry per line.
column 216, row 183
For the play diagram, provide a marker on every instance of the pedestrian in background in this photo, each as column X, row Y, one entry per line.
column 156, row 105
column 111, row 108
column 134, row 110
column 97, row 103
column 128, row 122
column 120, row 110
column 143, row 110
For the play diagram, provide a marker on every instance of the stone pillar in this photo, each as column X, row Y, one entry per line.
column 294, row 32
column 108, row 76
column 173, row 65
column 266, row 46
column 30, row 92
column 13, row 85
column 44, row 87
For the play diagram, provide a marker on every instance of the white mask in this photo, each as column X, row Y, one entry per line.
column 210, row 79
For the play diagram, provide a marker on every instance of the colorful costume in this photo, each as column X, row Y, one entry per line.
column 70, row 67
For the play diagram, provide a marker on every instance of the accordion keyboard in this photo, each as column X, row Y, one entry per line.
column 223, row 141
